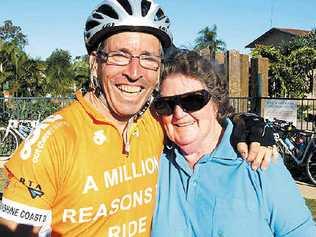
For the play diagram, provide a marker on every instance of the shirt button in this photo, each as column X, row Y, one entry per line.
column 194, row 183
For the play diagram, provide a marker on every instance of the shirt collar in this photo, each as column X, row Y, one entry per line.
column 225, row 150
column 95, row 115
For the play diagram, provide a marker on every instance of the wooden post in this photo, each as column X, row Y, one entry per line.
column 244, row 82
column 259, row 83
column 232, row 66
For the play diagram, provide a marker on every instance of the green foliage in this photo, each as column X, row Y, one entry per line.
column 58, row 72
column 64, row 75
column 80, row 72
column 34, row 107
column 19, row 74
column 10, row 33
column 208, row 39
column 22, row 75
column 292, row 66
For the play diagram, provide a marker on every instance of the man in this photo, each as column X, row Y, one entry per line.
column 91, row 169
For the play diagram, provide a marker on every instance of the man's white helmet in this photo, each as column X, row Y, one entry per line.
column 114, row 16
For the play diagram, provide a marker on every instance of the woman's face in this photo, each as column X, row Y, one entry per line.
column 187, row 128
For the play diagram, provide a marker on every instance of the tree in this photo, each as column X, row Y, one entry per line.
column 303, row 63
column 292, row 66
column 80, row 72
column 58, row 72
column 10, row 33
column 20, row 74
column 12, row 59
column 33, row 78
column 208, row 39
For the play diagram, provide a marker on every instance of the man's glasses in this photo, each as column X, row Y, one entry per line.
column 121, row 58
column 189, row 102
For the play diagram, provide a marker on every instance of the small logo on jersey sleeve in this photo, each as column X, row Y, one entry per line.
column 35, row 142
column 35, row 190
column 99, row 137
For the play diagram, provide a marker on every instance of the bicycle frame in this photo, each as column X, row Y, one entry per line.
column 307, row 150
column 12, row 126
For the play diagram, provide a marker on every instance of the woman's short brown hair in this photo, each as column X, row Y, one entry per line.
column 190, row 63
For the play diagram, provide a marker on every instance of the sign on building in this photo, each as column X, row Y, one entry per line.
column 281, row 109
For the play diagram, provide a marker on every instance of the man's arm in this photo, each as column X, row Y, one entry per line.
column 12, row 229
column 30, row 184
column 253, row 139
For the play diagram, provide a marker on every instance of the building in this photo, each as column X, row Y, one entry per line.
column 277, row 36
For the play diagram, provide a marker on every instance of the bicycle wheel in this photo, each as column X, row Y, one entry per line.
column 8, row 144
column 311, row 167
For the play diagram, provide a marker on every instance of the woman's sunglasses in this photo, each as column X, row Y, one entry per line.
column 189, row 102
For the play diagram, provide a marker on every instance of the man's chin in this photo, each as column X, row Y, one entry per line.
column 125, row 115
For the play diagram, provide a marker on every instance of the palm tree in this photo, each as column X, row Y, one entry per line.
column 80, row 72
column 59, row 77
column 12, row 58
column 19, row 74
column 208, row 39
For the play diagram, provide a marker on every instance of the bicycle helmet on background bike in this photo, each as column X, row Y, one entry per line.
column 114, row 16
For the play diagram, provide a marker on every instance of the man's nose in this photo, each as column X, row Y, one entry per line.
column 134, row 69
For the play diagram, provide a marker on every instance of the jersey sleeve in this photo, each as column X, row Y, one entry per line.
column 288, row 215
column 36, row 172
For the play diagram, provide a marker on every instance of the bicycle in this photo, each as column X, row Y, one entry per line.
column 296, row 146
column 11, row 135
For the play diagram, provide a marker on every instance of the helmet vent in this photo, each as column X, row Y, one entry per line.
column 97, row 16
column 125, row 4
column 159, row 15
column 145, row 7
column 91, row 24
column 108, row 11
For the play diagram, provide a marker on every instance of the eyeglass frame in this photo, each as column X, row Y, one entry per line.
column 104, row 56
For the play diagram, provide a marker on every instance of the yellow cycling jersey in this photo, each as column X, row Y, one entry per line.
column 71, row 176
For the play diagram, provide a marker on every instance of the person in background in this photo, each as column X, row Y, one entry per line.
column 205, row 188
column 91, row 169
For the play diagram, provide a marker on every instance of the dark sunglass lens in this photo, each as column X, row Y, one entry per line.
column 194, row 102
column 163, row 107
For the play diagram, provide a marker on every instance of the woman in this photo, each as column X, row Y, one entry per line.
column 205, row 188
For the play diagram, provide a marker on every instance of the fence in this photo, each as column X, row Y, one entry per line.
column 256, row 105
column 32, row 107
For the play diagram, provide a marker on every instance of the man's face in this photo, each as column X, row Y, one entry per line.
column 128, row 87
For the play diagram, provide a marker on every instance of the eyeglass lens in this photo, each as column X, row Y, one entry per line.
column 189, row 102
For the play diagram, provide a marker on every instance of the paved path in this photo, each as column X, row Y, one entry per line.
column 308, row 191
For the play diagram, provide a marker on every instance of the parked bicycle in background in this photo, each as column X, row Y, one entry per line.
column 13, row 133
column 297, row 147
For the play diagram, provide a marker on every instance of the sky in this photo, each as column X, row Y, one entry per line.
column 60, row 23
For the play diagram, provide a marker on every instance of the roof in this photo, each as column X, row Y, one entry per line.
column 292, row 32
column 295, row 32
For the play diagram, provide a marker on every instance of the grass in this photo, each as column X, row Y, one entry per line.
column 311, row 203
